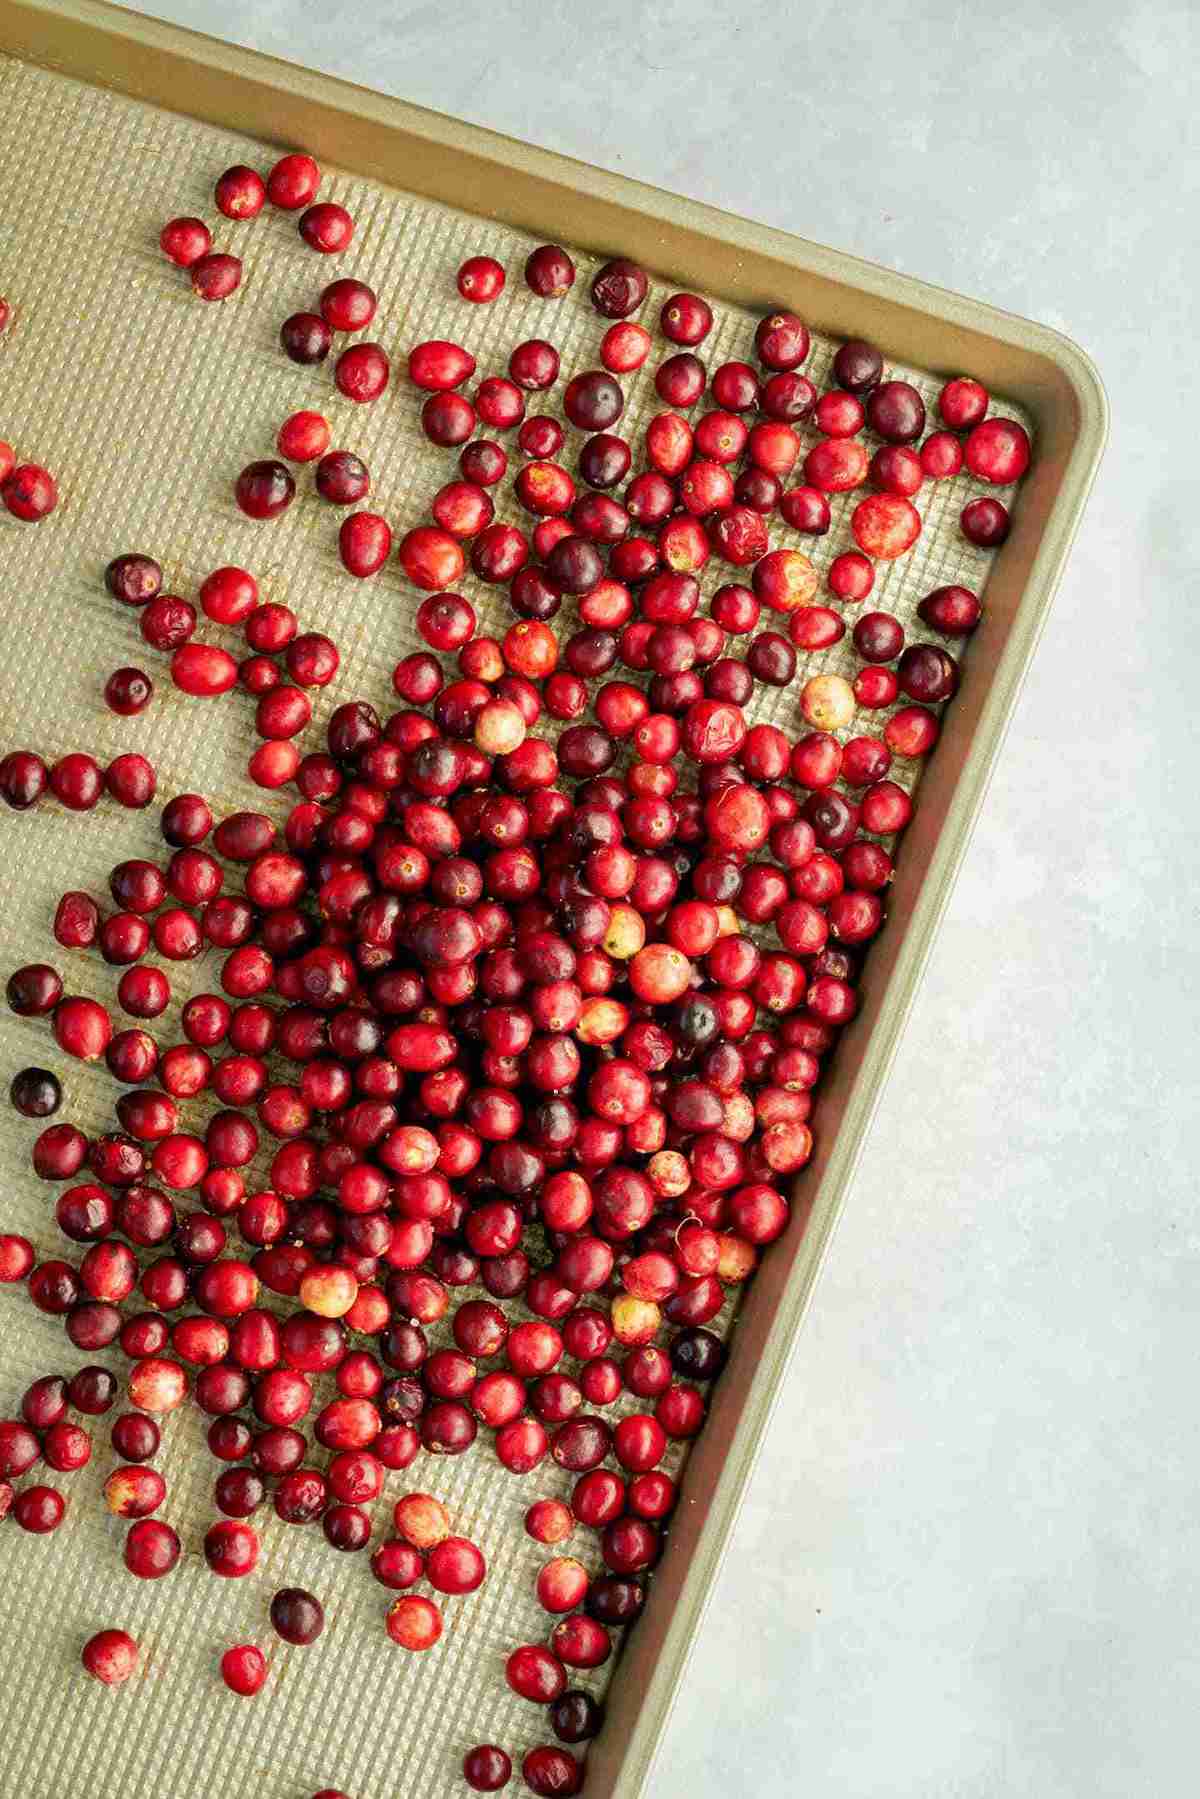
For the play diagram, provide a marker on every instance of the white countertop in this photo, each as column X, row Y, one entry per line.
column 969, row 1567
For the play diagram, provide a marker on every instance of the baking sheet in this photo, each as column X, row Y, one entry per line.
column 146, row 402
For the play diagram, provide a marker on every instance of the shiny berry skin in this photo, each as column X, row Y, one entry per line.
column 240, row 192
column 487, row 1768
column 362, row 373
column 546, row 1770
column 782, row 341
column 954, row 611
column 76, row 782
column 305, row 338
column 110, row 1657
column 35, row 1093
column 128, row 691
column 963, row 403
column 998, row 451
column 216, row 276
column 534, row 1673
column 481, row 279
column 23, row 779
column 30, row 493
column 184, row 241
column 414, row 1622
column 297, row 1616
column 326, row 227
column 244, row 1669
column 293, row 182
column 619, row 288
column 264, row 490
column 39, row 1510
column 549, row 272
column 985, row 522
column 152, row 1548
column 896, row 412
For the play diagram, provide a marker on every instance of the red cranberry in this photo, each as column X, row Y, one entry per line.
column 480, row 279
column 216, row 276
column 342, row 479
column 244, row 1669
column 487, row 1768
column 954, row 611
column 184, row 241
column 326, row 227
column 293, row 182
column 549, row 272
column 362, row 372
column 963, row 403
column 549, row 1770
column 110, row 1656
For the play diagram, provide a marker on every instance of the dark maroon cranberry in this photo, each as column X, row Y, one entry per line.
column 23, row 779
column 133, row 579
column 297, row 1616
column 614, row 1599
column 857, row 366
column 305, row 337
column 954, row 611
column 574, row 565
column 619, row 288
column 604, row 460
column 34, row 990
column 35, row 1093
column 697, row 1354
column 927, row 674
column 593, row 400
column 342, row 478
column 575, row 1716
column 896, row 412
column 985, row 522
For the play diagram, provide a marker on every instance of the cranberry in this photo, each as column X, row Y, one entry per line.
column 305, row 338
column 619, row 288
column 326, row 227
column 297, row 1616
column 110, row 1656
column 487, row 1768
column 264, row 489
column 963, row 403
column 857, row 366
column 184, row 241
column 216, row 276
column 203, row 670
column 896, row 411
column 954, row 611
column 534, row 365
column 480, row 279
column 549, row 272
column 998, row 451
column 134, row 579
column 414, row 1622
column 244, row 1669
column 39, row 1510
column 575, row 1716
column 23, row 779
column 152, row 1548
column 135, row 1437
column 30, row 492
column 547, row 1770
column 985, row 522
column 128, row 691
column 362, row 372
column 76, row 782
column 293, row 182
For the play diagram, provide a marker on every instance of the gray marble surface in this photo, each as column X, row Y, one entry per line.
column 968, row 1566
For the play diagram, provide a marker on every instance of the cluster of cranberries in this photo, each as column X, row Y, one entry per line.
column 526, row 998
column 241, row 193
column 28, row 490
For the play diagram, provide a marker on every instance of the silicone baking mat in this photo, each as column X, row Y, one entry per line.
column 146, row 402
